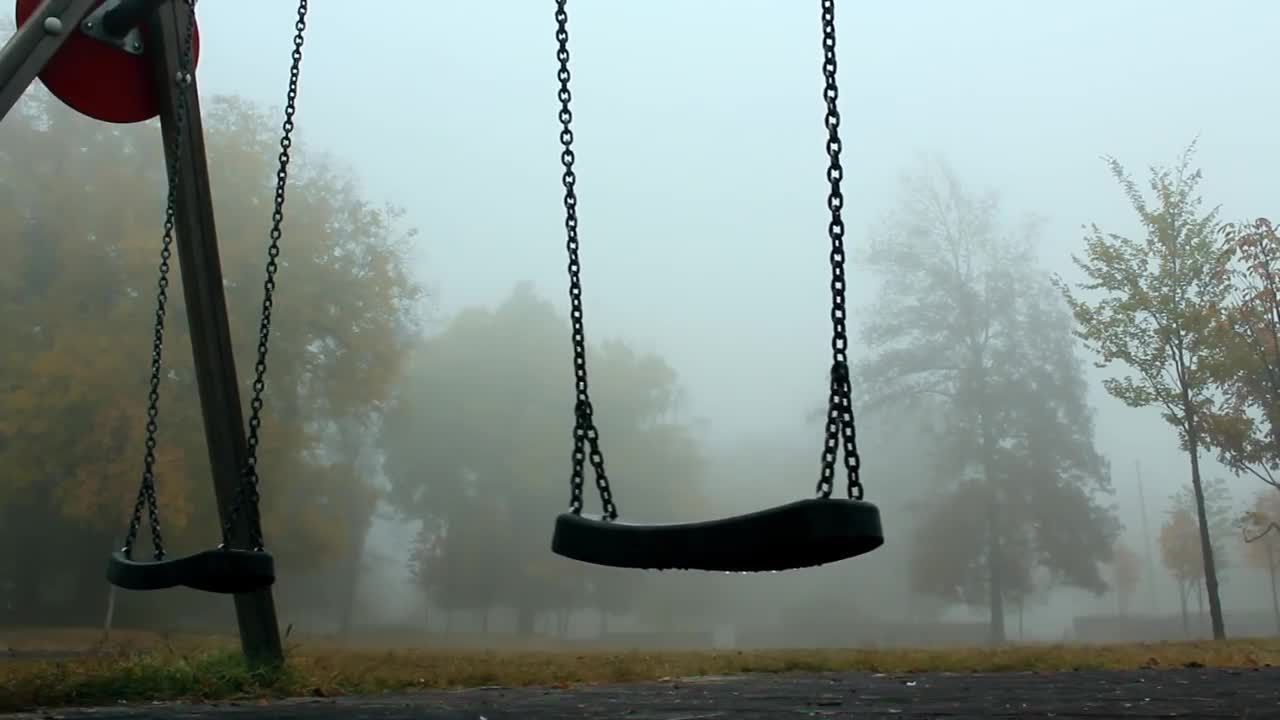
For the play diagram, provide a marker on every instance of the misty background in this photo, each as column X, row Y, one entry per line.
column 700, row 161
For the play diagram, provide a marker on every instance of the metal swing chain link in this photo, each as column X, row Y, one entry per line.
column 247, row 490
column 147, row 488
column 840, row 425
column 585, row 434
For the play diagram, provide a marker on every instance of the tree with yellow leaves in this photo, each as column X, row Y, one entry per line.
column 1261, row 531
column 1246, row 429
column 81, row 204
column 1150, row 304
column 1180, row 552
column 1182, row 531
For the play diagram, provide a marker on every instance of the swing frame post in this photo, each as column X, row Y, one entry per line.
column 22, row 59
column 202, row 287
column 30, row 48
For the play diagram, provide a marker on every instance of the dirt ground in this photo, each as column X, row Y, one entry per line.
column 1180, row 693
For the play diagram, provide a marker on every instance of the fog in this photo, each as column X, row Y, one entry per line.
column 700, row 160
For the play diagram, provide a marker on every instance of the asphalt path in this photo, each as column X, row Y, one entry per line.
column 1164, row 693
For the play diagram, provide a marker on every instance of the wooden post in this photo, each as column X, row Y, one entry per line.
column 21, row 60
column 197, row 245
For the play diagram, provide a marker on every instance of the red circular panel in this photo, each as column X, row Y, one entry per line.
column 98, row 80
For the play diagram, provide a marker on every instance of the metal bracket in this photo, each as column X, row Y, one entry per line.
column 96, row 26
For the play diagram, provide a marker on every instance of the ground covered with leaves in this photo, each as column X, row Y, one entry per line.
column 194, row 669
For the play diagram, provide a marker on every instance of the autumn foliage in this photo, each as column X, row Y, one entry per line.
column 81, row 205
column 1247, row 430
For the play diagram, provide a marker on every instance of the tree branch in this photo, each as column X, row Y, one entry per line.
column 1266, row 531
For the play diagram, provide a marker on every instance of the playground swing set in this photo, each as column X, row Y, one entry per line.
column 129, row 61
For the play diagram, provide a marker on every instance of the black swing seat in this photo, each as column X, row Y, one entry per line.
column 220, row 570
column 800, row 534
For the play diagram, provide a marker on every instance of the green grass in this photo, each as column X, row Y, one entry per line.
column 195, row 670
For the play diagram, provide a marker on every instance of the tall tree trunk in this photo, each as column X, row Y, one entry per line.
column 1206, row 543
column 30, row 575
column 526, row 618
column 1183, row 589
column 995, row 577
column 995, row 565
column 1200, row 606
column 88, row 593
column 350, row 587
column 1275, row 595
column 357, row 539
column 351, row 438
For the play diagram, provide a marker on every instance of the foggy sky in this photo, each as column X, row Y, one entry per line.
column 701, row 153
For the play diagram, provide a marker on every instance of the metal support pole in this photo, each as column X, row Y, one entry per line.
column 201, row 268
column 34, row 44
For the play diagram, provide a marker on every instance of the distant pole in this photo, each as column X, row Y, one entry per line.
column 111, row 613
column 1146, row 539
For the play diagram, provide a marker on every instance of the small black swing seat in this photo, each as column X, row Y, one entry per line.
column 220, row 570
column 805, row 533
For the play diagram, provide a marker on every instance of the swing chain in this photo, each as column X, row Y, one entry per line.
column 840, row 424
column 247, row 490
column 585, row 434
column 147, row 488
